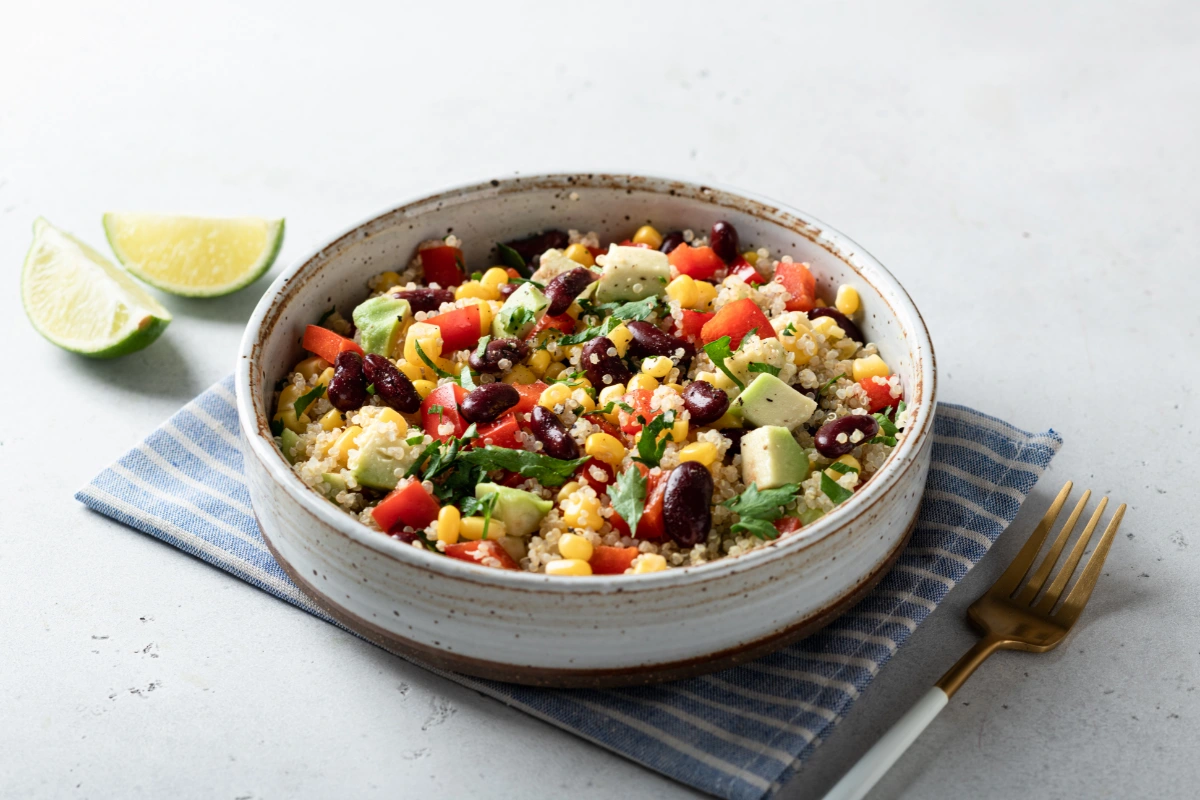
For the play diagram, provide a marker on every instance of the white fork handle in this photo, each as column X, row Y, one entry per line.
column 879, row 759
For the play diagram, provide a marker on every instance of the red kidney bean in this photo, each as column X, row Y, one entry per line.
column 598, row 364
column 704, row 402
column 650, row 341
column 687, row 504
column 549, row 430
column 532, row 247
column 486, row 403
column 391, row 385
column 507, row 288
column 734, row 435
column 425, row 299
column 723, row 239
column 827, row 437
column 565, row 287
column 497, row 350
column 844, row 322
column 671, row 241
column 348, row 389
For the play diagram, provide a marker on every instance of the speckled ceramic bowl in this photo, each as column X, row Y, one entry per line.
column 599, row 630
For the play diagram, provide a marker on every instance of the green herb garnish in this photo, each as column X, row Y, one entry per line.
column 719, row 351
column 441, row 373
column 276, row 427
column 608, row 408
column 758, row 366
column 415, row 439
column 587, row 334
column 886, row 425
column 305, row 400
column 325, row 316
column 636, row 309
column 511, row 258
column 758, row 510
column 831, row 382
column 437, row 409
column 838, row 466
column 790, row 330
column 475, row 276
column 628, row 496
column 650, row 449
column 834, row 491
column 370, row 388
column 544, row 469
column 475, row 506
column 466, row 379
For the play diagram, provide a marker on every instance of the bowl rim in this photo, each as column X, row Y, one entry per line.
column 840, row 246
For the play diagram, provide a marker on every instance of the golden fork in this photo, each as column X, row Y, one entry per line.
column 1011, row 617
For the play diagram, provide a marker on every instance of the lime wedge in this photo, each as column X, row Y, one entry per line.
column 194, row 256
column 82, row 302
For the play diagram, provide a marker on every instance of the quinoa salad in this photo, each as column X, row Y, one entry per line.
column 591, row 408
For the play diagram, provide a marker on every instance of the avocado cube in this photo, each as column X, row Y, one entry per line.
column 632, row 273
column 375, row 466
column 520, row 312
column 771, row 457
column 520, row 511
column 378, row 321
column 287, row 443
column 770, row 401
column 332, row 484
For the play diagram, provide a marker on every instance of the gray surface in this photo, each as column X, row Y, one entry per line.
column 1029, row 173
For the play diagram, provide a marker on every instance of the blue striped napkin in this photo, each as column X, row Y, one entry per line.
column 735, row 734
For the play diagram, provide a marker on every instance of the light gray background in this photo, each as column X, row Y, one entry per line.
column 1029, row 171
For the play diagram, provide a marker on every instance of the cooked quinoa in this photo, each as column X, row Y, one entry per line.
column 521, row 417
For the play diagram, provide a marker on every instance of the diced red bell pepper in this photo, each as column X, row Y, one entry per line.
column 607, row 560
column 530, row 393
column 700, row 263
column 512, row 273
column 443, row 265
column 586, row 470
column 736, row 320
column 460, row 328
column 595, row 251
column 879, row 392
column 501, row 433
column 788, row 525
column 408, row 504
column 693, row 322
column 800, row 284
column 511, row 479
column 563, row 322
column 327, row 344
column 632, row 243
column 448, row 397
column 650, row 526
column 476, row 552
column 639, row 399
column 746, row 271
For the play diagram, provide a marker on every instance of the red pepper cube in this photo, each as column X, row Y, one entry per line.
column 800, row 284
column 501, row 433
column 460, row 328
column 443, row 265
column 735, row 320
column 879, row 393
column 441, row 406
column 327, row 344
column 407, row 505
column 477, row 552
column 607, row 560
column 692, row 323
column 746, row 271
column 700, row 263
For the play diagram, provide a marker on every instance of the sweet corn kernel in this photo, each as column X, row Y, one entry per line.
column 312, row 367
column 290, row 421
column 649, row 562
column 325, row 378
column 333, row 420
column 567, row 489
column 411, row 371
column 572, row 545
column 556, row 394
column 472, row 528
column 555, row 369
column 828, row 328
column 430, row 338
column 494, row 278
column 706, row 293
column 620, row 336
column 424, row 387
column 683, row 291
column 568, row 566
column 657, row 367
column 679, row 430
column 846, row 300
column 574, row 310
column 704, row 453
column 605, row 447
column 393, row 416
column 648, row 235
column 612, row 394
column 584, row 399
column 289, row 395
column 449, row 520
column 707, row 377
column 821, row 302
column 849, row 461
column 520, row 374
column 580, row 255
column 344, row 444
column 677, row 388
column 476, row 289
column 642, row 381
column 582, row 511
column 870, row 367
column 539, row 361
column 751, row 256
column 386, row 280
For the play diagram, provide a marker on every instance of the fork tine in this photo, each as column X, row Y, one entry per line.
column 1012, row 576
column 1078, row 597
column 1034, row 584
column 1063, row 577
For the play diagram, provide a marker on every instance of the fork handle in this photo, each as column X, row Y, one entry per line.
column 880, row 758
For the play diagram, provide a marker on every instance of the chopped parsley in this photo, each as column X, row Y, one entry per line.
column 481, row 506
column 608, row 408
column 441, row 373
column 370, row 388
column 636, row 309
column 650, row 448
column 719, row 351
column 834, row 490
column 544, row 469
column 628, row 496
column 758, row 510
column 512, row 259
column 325, row 316
column 466, row 379
column 437, row 409
column 415, row 439
column 838, row 466
column 831, row 382
column 305, row 400
column 520, row 315
column 276, row 427
column 758, row 366
column 476, row 275
column 790, row 330
column 587, row 334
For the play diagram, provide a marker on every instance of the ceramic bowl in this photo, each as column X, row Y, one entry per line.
column 579, row 631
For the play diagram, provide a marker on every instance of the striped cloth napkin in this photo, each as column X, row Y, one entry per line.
column 740, row 733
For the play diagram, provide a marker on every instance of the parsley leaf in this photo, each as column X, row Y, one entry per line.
column 838, row 466
column 544, row 469
column 415, row 439
column 276, row 427
column 370, row 388
column 885, row 424
column 756, row 509
column 466, row 379
column 512, row 259
column 608, row 408
column 637, row 309
column 511, row 279
column 758, row 366
column 831, row 382
column 628, row 496
column 305, row 400
column 718, row 351
column 476, row 275
column 650, row 449
column 520, row 315
column 325, row 316
column 763, row 529
column 790, row 330
column 481, row 506
column 587, row 334
column 890, row 441
column 834, row 491
column 570, row 379
column 441, row 373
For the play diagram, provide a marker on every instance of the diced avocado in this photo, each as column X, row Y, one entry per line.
column 770, row 401
column 378, row 321
column 520, row 511
column 810, row 515
column 287, row 443
column 553, row 263
column 632, row 273
column 375, row 467
column 332, row 484
column 520, row 312
column 771, row 457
